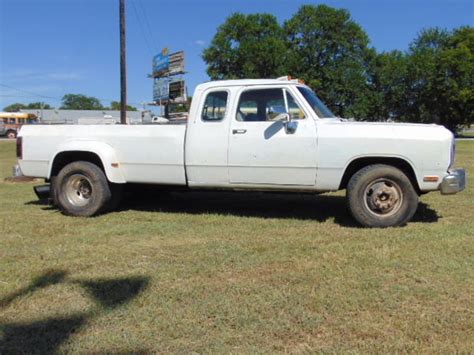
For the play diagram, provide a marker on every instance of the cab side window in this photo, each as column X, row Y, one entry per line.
column 295, row 111
column 266, row 105
column 215, row 106
column 260, row 105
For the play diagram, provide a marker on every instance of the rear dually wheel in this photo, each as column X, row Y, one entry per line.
column 11, row 134
column 81, row 189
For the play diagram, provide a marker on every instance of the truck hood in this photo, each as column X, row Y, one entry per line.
column 393, row 129
column 378, row 123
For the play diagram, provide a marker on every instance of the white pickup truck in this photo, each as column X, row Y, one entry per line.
column 262, row 135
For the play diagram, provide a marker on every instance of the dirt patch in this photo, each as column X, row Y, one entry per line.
column 21, row 179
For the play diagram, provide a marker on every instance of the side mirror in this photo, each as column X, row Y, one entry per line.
column 285, row 118
column 282, row 117
column 290, row 126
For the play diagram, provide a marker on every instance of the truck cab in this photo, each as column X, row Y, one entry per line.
column 252, row 133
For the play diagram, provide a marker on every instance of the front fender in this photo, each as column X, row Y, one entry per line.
column 380, row 159
column 104, row 151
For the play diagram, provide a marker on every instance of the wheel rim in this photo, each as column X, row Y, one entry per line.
column 78, row 190
column 11, row 135
column 383, row 197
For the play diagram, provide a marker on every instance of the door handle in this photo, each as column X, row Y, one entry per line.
column 239, row 131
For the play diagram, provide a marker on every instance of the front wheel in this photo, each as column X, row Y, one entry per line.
column 381, row 196
column 11, row 134
column 81, row 189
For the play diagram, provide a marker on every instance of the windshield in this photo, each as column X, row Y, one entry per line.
column 318, row 106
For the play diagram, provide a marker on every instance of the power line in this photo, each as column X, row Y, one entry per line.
column 18, row 96
column 29, row 92
column 33, row 94
column 141, row 28
column 147, row 23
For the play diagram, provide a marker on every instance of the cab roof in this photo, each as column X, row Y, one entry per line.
column 248, row 82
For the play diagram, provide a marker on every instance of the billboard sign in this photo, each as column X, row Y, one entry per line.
column 167, row 87
column 177, row 90
column 161, row 62
column 176, row 63
column 165, row 64
column 172, row 90
column 161, row 89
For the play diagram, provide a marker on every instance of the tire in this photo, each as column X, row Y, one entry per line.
column 53, row 196
column 381, row 196
column 81, row 189
column 11, row 134
column 117, row 194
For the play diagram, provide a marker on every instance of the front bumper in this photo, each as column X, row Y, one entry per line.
column 454, row 182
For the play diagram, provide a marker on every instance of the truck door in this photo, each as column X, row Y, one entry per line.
column 261, row 151
column 207, row 140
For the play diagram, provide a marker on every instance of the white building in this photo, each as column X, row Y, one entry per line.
column 88, row 116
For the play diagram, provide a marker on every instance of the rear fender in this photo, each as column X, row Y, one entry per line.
column 104, row 151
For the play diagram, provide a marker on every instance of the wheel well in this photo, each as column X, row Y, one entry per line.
column 360, row 163
column 64, row 158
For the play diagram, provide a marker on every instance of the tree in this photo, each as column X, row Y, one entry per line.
column 431, row 82
column 319, row 44
column 38, row 105
column 330, row 52
column 80, row 102
column 247, row 46
column 441, row 78
column 182, row 107
column 115, row 105
column 457, row 63
column 31, row 106
column 388, row 82
column 14, row 107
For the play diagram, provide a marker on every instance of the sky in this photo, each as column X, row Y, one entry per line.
column 52, row 47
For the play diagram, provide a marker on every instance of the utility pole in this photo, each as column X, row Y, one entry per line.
column 123, row 66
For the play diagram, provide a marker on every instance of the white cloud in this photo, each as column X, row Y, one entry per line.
column 200, row 42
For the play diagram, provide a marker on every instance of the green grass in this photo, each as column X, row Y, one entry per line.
column 234, row 273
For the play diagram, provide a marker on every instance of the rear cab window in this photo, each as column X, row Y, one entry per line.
column 215, row 106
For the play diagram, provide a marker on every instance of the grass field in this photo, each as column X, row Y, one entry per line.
column 234, row 273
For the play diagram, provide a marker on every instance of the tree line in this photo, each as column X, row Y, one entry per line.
column 430, row 82
column 70, row 102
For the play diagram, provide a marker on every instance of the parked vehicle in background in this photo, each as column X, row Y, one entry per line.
column 3, row 130
column 257, row 135
column 176, row 117
column 12, row 122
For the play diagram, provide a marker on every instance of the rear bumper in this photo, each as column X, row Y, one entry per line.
column 454, row 182
column 16, row 170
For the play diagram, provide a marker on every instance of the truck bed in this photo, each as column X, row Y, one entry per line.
column 144, row 153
